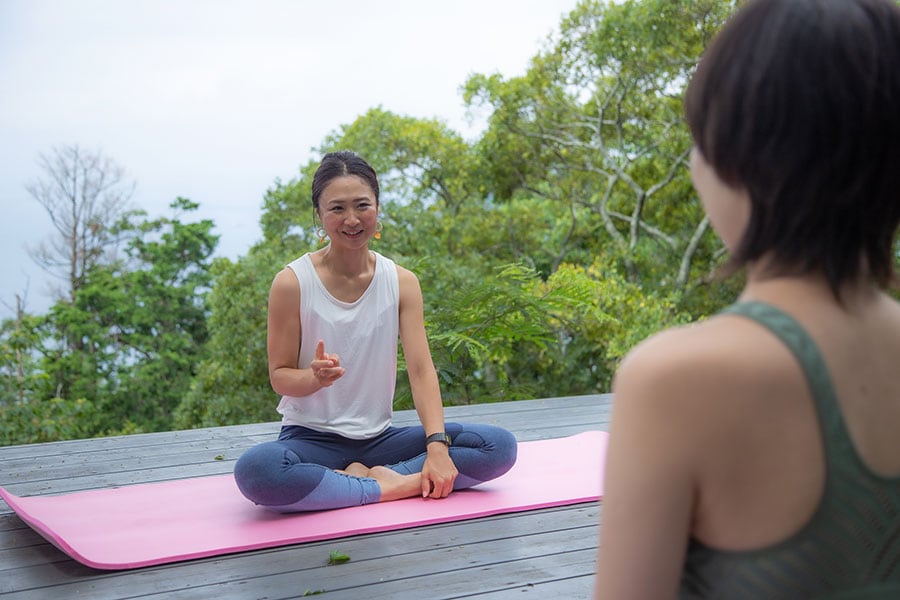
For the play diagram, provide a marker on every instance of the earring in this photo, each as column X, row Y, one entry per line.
column 320, row 231
column 379, row 226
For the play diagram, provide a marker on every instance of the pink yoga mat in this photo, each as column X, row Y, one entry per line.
column 155, row 523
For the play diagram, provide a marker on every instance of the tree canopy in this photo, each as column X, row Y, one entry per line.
column 547, row 247
column 561, row 236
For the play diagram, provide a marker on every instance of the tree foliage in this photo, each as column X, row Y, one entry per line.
column 548, row 246
column 231, row 383
column 139, row 330
column 595, row 125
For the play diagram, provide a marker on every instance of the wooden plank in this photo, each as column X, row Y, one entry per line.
column 579, row 587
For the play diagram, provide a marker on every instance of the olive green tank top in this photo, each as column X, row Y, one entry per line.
column 850, row 549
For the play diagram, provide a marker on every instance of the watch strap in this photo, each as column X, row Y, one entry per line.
column 442, row 437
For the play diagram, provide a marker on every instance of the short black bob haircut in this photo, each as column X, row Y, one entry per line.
column 798, row 102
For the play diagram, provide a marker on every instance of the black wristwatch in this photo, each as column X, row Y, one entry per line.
column 441, row 437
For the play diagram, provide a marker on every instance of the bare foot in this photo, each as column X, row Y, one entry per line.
column 355, row 469
column 395, row 486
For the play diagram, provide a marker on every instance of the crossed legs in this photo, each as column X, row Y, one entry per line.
column 308, row 470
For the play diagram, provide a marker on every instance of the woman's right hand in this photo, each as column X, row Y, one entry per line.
column 326, row 367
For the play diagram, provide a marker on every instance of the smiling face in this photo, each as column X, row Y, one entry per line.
column 348, row 211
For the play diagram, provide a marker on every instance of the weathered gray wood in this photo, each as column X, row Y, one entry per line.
column 579, row 587
column 548, row 552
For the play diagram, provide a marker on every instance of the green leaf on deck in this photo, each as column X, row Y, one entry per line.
column 336, row 557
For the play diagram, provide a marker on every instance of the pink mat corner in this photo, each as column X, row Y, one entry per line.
column 156, row 523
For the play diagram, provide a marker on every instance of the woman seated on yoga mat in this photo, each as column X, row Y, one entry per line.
column 756, row 454
column 335, row 316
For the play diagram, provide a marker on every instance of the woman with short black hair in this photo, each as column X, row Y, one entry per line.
column 756, row 454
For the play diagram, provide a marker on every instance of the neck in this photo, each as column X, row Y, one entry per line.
column 346, row 262
column 806, row 289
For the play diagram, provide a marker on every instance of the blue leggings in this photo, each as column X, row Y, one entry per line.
column 297, row 471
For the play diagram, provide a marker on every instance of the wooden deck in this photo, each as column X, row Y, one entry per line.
column 549, row 553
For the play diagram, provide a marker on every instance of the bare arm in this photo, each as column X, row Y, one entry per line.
column 283, row 344
column 649, row 482
column 439, row 473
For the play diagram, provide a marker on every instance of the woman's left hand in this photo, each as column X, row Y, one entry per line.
column 438, row 472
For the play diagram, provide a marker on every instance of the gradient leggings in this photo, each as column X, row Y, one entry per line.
column 297, row 471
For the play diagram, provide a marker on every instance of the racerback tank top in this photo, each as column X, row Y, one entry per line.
column 850, row 549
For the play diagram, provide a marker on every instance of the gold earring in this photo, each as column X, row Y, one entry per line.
column 379, row 226
column 320, row 231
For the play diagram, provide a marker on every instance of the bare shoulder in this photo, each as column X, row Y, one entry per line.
column 285, row 287
column 409, row 285
column 702, row 368
column 285, row 280
column 406, row 277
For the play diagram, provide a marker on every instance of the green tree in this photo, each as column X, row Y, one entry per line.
column 545, row 249
column 19, row 374
column 414, row 159
column 160, row 322
column 139, row 327
column 596, row 126
column 232, row 382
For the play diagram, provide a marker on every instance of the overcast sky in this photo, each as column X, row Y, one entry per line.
column 214, row 100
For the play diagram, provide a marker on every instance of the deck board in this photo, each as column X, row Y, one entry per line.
column 547, row 553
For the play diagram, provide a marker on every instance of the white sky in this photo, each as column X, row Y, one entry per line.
column 215, row 99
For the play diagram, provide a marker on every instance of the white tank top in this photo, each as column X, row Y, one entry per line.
column 364, row 334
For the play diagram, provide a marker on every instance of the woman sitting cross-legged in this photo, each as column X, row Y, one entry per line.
column 335, row 317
